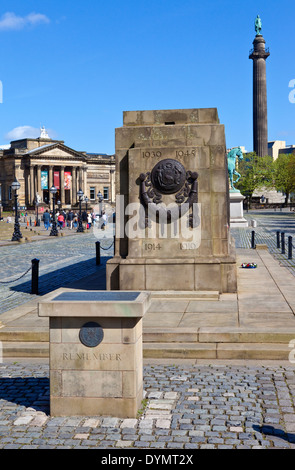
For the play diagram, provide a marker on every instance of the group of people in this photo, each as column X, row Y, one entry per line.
column 70, row 219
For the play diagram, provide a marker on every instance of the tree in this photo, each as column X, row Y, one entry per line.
column 256, row 173
column 284, row 174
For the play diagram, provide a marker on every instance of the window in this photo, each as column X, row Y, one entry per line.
column 106, row 193
column 92, row 194
column 9, row 193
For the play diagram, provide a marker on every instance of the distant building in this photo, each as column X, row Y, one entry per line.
column 40, row 163
column 276, row 147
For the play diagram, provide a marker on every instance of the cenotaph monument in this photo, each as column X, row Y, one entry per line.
column 172, row 208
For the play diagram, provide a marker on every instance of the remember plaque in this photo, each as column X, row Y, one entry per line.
column 91, row 334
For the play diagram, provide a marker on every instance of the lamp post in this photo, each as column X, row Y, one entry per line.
column 54, row 232
column 80, row 195
column 17, row 233
column 100, row 199
column 86, row 201
column 37, row 217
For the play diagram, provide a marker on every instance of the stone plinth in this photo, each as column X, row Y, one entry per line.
column 237, row 218
column 186, row 147
column 95, row 352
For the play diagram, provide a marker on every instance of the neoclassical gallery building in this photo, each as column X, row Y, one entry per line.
column 40, row 163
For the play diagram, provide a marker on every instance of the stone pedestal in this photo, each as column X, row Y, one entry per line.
column 95, row 352
column 237, row 218
column 171, row 157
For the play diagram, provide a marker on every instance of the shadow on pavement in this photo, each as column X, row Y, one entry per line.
column 95, row 278
column 275, row 432
column 29, row 392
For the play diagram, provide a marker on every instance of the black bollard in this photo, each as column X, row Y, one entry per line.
column 289, row 247
column 253, row 239
column 283, row 242
column 97, row 253
column 35, row 276
column 278, row 240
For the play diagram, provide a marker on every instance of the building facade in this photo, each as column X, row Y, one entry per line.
column 278, row 147
column 40, row 163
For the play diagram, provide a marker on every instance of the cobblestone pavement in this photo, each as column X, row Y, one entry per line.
column 62, row 260
column 268, row 223
column 187, row 406
column 70, row 258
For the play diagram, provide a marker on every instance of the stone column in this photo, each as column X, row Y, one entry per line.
column 80, row 184
column 32, row 189
column 71, row 187
column 62, row 184
column 50, row 183
column 50, row 177
column 84, row 189
column 39, row 180
column 112, row 186
column 74, row 185
column 259, row 56
column 27, row 186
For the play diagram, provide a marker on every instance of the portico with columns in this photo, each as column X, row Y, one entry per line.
column 40, row 163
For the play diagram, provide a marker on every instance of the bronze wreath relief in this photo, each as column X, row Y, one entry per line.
column 169, row 177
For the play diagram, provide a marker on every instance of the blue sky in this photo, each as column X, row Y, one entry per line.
column 74, row 67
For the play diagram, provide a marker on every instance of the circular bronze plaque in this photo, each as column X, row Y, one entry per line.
column 168, row 176
column 91, row 334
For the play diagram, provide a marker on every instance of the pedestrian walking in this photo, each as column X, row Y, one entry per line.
column 60, row 221
column 46, row 219
column 70, row 219
column 84, row 219
column 89, row 220
column 104, row 220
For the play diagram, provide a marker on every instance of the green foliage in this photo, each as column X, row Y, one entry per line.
column 144, row 403
column 256, row 172
column 284, row 174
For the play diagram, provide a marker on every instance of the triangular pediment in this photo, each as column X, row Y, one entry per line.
column 56, row 150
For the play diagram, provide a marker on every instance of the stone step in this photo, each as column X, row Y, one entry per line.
column 216, row 335
column 190, row 295
column 269, row 351
column 25, row 349
column 168, row 335
column 22, row 334
column 193, row 350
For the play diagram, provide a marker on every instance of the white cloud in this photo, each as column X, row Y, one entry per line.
column 23, row 132
column 10, row 21
column 28, row 132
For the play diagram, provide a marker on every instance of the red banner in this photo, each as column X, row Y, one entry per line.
column 68, row 179
column 56, row 179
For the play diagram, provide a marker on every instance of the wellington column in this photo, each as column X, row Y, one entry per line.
column 259, row 55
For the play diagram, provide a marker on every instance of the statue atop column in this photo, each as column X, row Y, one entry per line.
column 258, row 25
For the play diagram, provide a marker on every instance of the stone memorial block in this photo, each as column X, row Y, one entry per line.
column 172, row 165
column 95, row 352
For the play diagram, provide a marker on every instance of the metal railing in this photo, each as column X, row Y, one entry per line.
column 281, row 243
column 34, row 268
